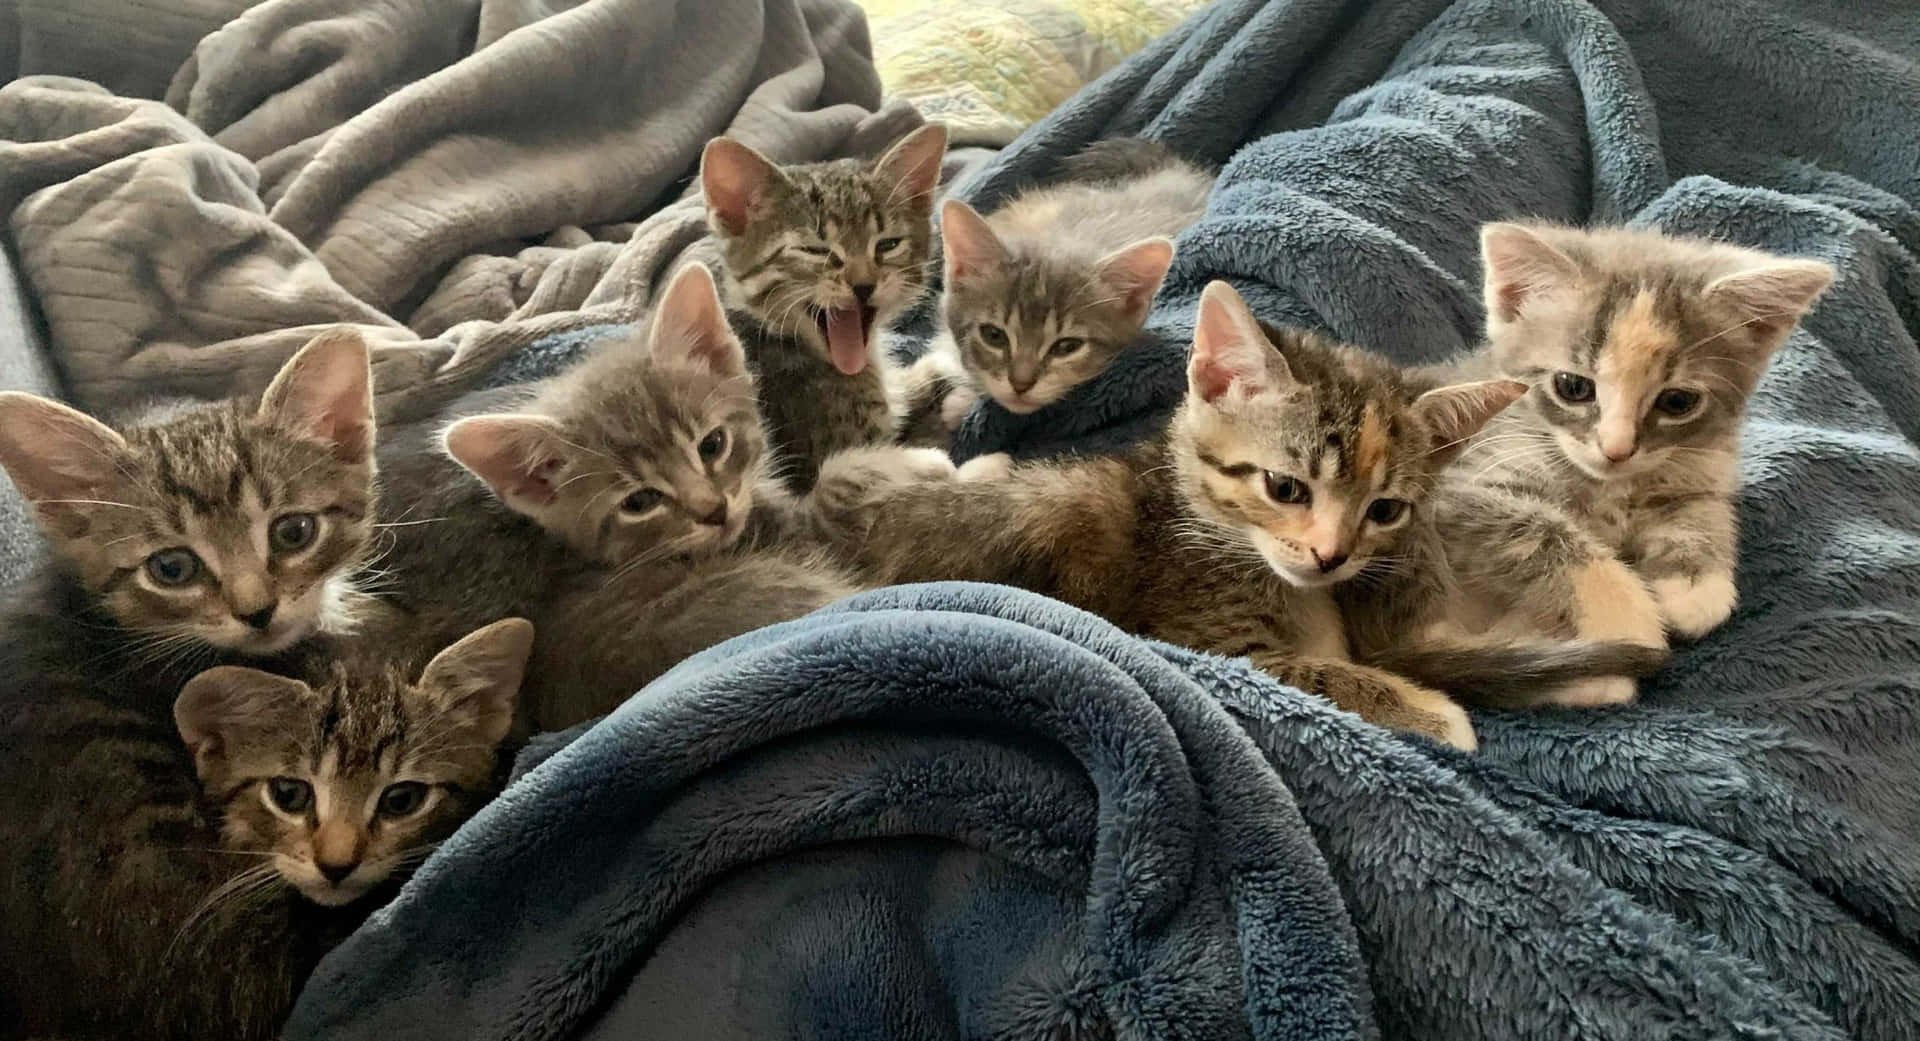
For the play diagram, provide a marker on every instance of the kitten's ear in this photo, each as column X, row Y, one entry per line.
column 60, row 459
column 522, row 458
column 1136, row 272
column 477, row 680
column 970, row 245
column 324, row 393
column 1230, row 352
column 1452, row 414
column 229, row 702
column 690, row 324
column 913, row 163
column 1519, row 266
column 1774, row 297
column 734, row 179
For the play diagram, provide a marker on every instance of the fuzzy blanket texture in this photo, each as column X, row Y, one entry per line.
column 962, row 812
column 458, row 177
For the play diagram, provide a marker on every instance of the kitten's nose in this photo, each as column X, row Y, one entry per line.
column 335, row 871
column 260, row 619
column 1616, row 451
column 1328, row 563
column 1022, row 384
column 716, row 516
column 863, row 293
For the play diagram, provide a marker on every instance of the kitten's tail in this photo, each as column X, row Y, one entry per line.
column 1516, row 675
column 1120, row 159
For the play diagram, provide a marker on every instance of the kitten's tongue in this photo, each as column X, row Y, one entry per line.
column 847, row 339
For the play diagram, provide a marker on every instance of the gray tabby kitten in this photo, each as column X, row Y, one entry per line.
column 819, row 260
column 1042, row 294
column 224, row 533
column 1291, row 465
column 628, row 509
column 1602, row 506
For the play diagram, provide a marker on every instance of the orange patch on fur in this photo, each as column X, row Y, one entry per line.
column 1637, row 343
column 1370, row 445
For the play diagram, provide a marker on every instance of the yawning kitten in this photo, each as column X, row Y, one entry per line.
column 1291, row 466
column 1042, row 294
column 224, row 533
column 820, row 259
column 1602, row 506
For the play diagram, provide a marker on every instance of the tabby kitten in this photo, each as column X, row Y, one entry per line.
column 819, row 260
column 1289, row 467
column 340, row 785
column 627, row 509
column 1042, row 294
column 219, row 534
column 1602, row 506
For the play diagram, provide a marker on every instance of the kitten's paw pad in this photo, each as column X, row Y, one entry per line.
column 1694, row 607
column 986, row 467
column 1612, row 603
column 1596, row 693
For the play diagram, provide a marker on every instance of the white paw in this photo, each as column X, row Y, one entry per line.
column 955, row 406
column 1458, row 728
column 1694, row 607
column 986, row 467
column 1595, row 693
column 925, row 463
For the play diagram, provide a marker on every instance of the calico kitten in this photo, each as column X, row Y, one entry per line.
column 224, row 533
column 342, row 784
column 1042, row 294
column 627, row 508
column 1602, row 506
column 1290, row 466
column 819, row 260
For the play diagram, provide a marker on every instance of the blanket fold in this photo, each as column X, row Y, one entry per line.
column 389, row 166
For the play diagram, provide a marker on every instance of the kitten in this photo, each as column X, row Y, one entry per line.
column 819, row 260
column 342, row 784
column 1042, row 294
column 219, row 534
column 1290, row 466
column 1602, row 506
column 627, row 509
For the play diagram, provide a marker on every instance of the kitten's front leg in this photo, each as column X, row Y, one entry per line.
column 1686, row 554
column 935, row 394
column 1379, row 697
column 851, row 483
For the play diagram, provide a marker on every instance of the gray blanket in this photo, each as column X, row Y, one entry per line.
column 458, row 178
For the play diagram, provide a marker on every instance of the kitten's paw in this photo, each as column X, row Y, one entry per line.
column 1612, row 603
column 1439, row 717
column 924, row 464
column 986, row 467
column 1598, row 692
column 1694, row 607
column 955, row 406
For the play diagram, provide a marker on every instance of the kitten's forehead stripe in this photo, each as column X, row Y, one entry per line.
column 1372, row 442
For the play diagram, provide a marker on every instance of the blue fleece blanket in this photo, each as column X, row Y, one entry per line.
column 957, row 811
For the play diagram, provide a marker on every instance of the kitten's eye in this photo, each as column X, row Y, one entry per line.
column 641, row 501
column 1572, row 388
column 294, row 531
column 173, row 567
column 994, row 336
column 290, row 794
column 1386, row 511
column 886, row 246
column 403, row 800
column 1677, row 401
column 1064, row 346
column 1286, row 490
column 815, row 251
column 714, row 444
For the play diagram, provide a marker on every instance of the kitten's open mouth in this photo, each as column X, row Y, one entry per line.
column 846, row 330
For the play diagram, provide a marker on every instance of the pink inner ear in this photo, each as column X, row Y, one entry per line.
column 536, row 484
column 1210, row 379
column 732, row 178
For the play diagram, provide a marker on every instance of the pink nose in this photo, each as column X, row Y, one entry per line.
column 1617, row 453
